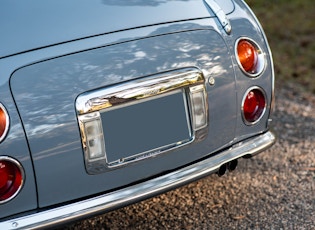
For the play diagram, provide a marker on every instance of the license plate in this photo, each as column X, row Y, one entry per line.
column 145, row 128
column 142, row 118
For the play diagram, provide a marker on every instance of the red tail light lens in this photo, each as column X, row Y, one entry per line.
column 250, row 57
column 254, row 105
column 11, row 178
column 4, row 122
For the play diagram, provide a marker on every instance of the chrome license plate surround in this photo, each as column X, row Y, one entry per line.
column 91, row 106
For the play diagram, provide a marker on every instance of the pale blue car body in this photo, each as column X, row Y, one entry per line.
column 53, row 52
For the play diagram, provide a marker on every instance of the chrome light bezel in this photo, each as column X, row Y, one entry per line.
column 249, row 123
column 261, row 58
column 7, row 122
column 19, row 166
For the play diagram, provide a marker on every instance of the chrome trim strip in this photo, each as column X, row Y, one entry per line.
column 138, row 89
column 7, row 124
column 143, row 190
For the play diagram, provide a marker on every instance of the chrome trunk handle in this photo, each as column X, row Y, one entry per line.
column 138, row 89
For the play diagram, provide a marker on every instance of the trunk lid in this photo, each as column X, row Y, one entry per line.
column 29, row 25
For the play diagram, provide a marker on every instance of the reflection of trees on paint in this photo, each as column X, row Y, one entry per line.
column 52, row 86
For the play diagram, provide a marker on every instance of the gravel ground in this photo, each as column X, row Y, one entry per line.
column 274, row 190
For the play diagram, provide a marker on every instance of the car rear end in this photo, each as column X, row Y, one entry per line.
column 103, row 109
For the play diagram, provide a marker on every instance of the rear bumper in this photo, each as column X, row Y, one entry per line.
column 142, row 190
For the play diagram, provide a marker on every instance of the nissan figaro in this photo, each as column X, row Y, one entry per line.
column 104, row 103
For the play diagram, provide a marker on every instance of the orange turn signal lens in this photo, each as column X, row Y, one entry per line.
column 250, row 57
column 247, row 55
column 4, row 122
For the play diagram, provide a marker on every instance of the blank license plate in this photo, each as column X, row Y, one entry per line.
column 146, row 128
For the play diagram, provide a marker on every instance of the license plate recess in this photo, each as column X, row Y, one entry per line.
column 139, row 119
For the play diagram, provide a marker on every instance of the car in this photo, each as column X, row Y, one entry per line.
column 106, row 103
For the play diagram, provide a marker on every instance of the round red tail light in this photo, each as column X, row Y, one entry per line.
column 249, row 57
column 254, row 105
column 4, row 122
column 11, row 178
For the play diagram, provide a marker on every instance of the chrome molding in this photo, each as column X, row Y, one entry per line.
column 142, row 190
column 138, row 89
column 6, row 129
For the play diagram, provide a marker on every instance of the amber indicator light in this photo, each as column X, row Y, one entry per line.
column 3, row 122
column 247, row 55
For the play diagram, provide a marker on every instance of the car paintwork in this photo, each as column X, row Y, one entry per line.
column 107, row 66
column 45, row 76
column 29, row 25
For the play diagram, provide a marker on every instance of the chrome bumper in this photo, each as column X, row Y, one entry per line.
column 142, row 190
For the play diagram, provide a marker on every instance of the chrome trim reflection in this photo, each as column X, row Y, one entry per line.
column 142, row 190
column 7, row 125
column 138, row 89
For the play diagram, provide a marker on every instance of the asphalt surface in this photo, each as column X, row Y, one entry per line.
column 274, row 190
